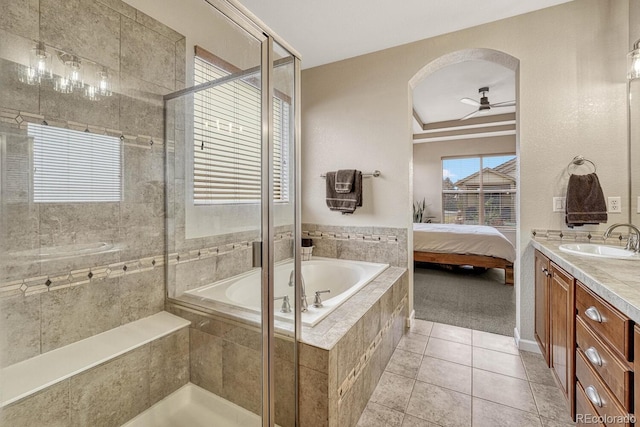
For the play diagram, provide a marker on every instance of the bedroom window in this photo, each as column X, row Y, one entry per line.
column 479, row 190
column 227, row 137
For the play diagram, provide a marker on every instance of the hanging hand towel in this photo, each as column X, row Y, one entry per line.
column 343, row 202
column 585, row 202
column 344, row 180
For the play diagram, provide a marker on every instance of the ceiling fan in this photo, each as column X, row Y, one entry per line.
column 484, row 104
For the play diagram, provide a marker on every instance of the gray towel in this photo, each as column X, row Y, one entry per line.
column 343, row 202
column 344, row 180
column 585, row 201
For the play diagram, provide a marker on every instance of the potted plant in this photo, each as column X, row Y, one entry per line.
column 419, row 210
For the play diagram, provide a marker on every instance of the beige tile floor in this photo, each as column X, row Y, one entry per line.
column 442, row 375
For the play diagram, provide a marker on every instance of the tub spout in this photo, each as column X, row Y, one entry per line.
column 303, row 297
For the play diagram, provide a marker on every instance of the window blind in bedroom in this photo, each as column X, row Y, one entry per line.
column 479, row 190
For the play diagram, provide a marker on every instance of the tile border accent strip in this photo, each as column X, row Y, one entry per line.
column 20, row 120
column 579, row 236
column 46, row 283
column 328, row 235
column 348, row 383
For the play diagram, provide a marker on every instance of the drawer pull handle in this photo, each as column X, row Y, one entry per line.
column 546, row 272
column 593, row 396
column 593, row 314
column 593, row 356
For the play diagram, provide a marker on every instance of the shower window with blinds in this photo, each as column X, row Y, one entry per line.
column 479, row 190
column 228, row 136
column 70, row 166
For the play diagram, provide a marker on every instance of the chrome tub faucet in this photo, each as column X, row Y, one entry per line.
column 303, row 297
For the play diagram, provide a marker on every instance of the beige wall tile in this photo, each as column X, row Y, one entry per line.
column 313, row 398
column 95, row 34
column 242, row 376
column 147, row 56
column 113, row 393
column 48, row 408
column 206, row 361
column 169, row 365
column 19, row 328
column 20, row 17
column 71, row 314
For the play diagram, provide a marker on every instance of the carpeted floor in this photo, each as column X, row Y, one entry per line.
column 464, row 297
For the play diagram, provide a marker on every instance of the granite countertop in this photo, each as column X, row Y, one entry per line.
column 616, row 281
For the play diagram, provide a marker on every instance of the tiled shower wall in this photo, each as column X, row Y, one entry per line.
column 45, row 304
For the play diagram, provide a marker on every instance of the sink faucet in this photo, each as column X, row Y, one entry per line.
column 633, row 241
column 303, row 297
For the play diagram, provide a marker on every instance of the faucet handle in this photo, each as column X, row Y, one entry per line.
column 286, row 306
column 317, row 300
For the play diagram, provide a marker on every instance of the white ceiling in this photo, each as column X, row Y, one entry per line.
column 325, row 31
column 437, row 97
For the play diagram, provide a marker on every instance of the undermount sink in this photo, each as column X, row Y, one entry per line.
column 599, row 251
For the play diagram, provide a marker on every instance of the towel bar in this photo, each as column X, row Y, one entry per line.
column 374, row 174
column 579, row 161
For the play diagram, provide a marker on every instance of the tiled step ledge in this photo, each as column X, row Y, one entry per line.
column 27, row 377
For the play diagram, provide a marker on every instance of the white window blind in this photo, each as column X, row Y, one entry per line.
column 479, row 190
column 228, row 143
column 71, row 166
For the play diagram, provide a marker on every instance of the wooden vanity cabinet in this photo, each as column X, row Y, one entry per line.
column 542, row 281
column 590, row 346
column 555, row 322
column 562, row 331
column 604, row 355
column 636, row 368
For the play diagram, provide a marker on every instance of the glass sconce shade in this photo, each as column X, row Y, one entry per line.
column 104, row 82
column 62, row 85
column 73, row 72
column 633, row 64
column 39, row 66
column 91, row 93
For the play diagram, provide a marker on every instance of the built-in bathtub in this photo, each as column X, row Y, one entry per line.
column 342, row 278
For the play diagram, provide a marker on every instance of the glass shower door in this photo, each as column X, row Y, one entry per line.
column 231, row 218
column 216, row 268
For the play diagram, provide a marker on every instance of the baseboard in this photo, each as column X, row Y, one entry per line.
column 411, row 319
column 525, row 345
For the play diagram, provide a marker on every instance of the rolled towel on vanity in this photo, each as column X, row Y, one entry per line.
column 343, row 202
column 585, row 202
column 344, row 180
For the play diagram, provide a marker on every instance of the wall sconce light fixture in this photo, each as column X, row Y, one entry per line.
column 633, row 62
column 39, row 66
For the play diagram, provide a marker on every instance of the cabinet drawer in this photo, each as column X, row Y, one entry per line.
column 610, row 325
column 585, row 412
column 613, row 371
column 608, row 408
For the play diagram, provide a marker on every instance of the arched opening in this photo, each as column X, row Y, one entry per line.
column 465, row 178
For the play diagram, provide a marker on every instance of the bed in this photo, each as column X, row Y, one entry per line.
column 456, row 244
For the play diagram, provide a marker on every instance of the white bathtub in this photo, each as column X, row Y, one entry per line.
column 342, row 277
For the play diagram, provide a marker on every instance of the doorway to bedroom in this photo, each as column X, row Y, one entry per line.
column 465, row 191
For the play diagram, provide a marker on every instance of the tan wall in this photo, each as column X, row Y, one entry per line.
column 571, row 100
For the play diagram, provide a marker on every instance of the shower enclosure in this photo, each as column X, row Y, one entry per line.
column 232, row 213
column 148, row 153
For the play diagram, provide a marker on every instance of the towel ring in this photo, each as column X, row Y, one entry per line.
column 579, row 161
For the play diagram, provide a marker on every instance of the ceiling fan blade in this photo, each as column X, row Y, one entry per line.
column 504, row 104
column 470, row 101
column 468, row 116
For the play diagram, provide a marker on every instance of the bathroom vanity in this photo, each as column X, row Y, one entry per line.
column 585, row 314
